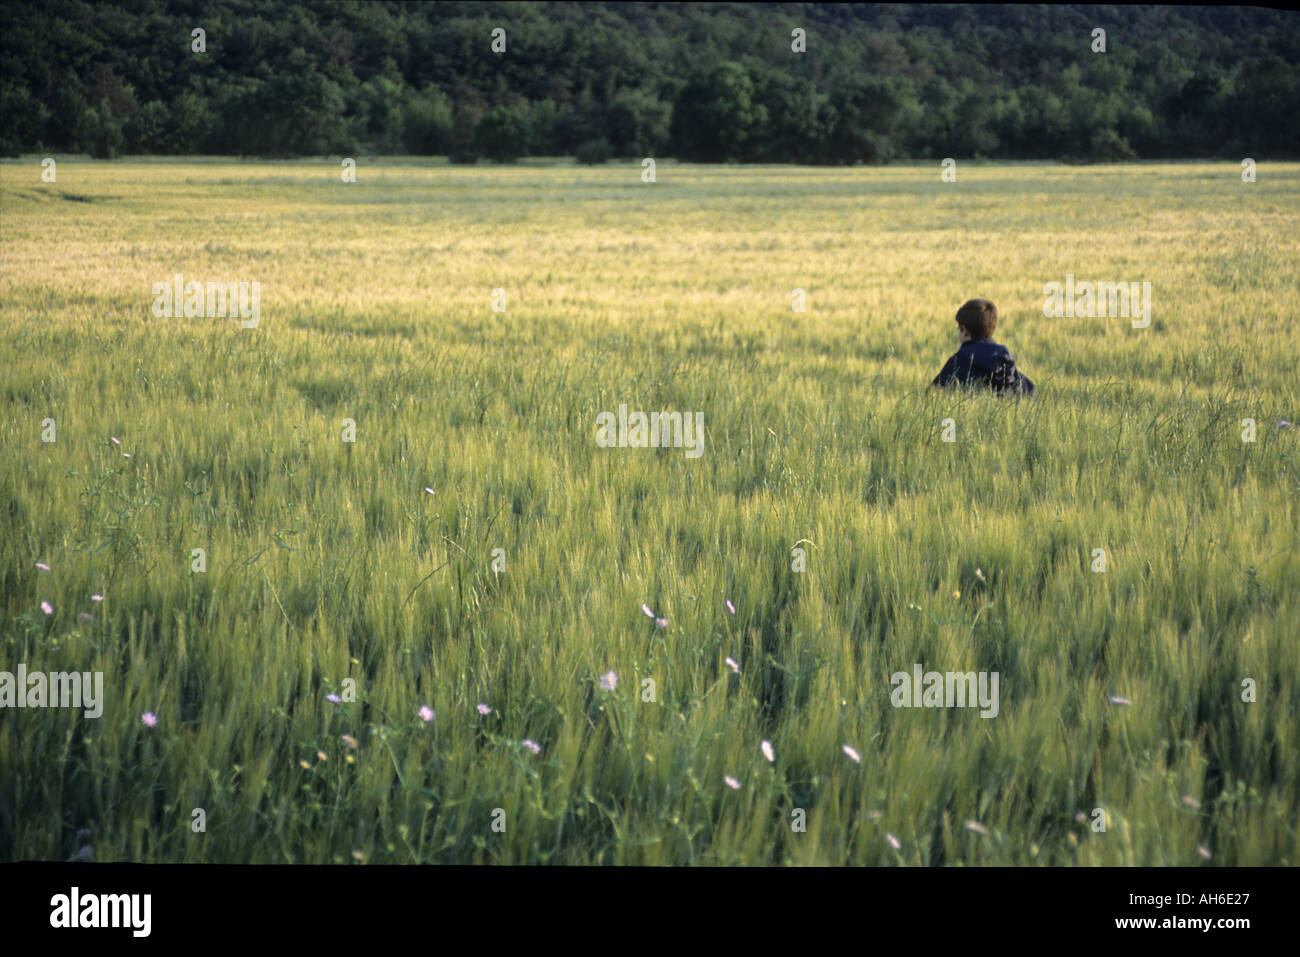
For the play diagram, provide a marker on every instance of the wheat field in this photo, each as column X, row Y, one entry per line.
column 472, row 548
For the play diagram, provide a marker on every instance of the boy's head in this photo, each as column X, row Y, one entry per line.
column 978, row 317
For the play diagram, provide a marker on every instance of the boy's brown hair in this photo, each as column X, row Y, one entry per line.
column 979, row 317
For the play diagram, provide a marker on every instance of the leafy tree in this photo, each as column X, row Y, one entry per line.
column 1266, row 105
column 800, row 119
column 99, row 133
column 717, row 117
column 868, row 112
column 193, row 125
column 583, row 121
column 24, row 119
column 637, row 123
column 1194, row 114
column 545, row 119
column 699, row 81
column 377, row 114
column 148, row 131
column 594, row 152
column 502, row 134
column 465, row 147
column 427, row 126
column 303, row 115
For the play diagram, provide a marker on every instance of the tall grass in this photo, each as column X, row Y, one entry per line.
column 329, row 560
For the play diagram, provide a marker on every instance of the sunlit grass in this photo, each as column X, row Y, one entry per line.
column 329, row 560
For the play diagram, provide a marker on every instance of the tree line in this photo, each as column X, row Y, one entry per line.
column 788, row 83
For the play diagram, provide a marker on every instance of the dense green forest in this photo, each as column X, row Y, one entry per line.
column 708, row 82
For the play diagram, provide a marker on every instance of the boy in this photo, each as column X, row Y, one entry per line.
column 980, row 360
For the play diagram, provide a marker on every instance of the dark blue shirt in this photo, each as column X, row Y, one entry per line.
column 984, row 362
